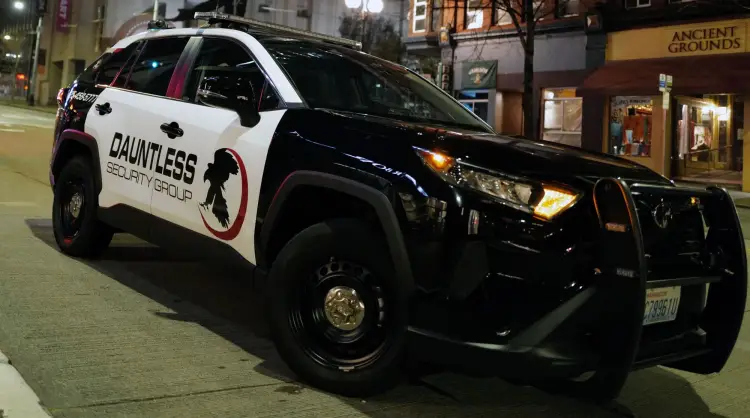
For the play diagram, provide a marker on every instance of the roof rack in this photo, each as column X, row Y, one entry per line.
column 227, row 19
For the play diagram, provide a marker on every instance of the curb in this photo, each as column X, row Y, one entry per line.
column 17, row 399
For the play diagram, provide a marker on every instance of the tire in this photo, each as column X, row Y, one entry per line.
column 336, row 253
column 83, row 235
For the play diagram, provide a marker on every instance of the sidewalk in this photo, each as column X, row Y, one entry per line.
column 741, row 199
column 17, row 400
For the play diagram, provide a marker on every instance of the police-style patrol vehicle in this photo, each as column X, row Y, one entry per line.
column 387, row 222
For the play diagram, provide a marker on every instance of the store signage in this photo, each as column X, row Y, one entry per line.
column 63, row 15
column 706, row 40
column 479, row 75
column 630, row 101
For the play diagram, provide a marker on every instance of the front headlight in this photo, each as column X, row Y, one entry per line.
column 543, row 200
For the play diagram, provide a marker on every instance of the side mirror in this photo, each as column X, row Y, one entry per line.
column 246, row 109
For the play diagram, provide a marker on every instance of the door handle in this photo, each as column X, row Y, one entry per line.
column 104, row 109
column 172, row 130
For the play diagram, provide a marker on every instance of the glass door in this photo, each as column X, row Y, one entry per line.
column 477, row 101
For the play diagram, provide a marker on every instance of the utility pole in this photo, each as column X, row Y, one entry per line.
column 156, row 10
column 35, row 58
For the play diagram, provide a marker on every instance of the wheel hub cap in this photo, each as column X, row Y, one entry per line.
column 343, row 308
column 76, row 202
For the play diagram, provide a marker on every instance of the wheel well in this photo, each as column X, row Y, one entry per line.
column 68, row 149
column 309, row 205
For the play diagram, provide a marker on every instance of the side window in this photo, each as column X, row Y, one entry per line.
column 88, row 76
column 223, row 67
column 153, row 68
column 111, row 65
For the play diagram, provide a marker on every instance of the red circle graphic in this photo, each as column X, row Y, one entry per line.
column 233, row 230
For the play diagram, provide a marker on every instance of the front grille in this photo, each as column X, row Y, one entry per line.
column 673, row 235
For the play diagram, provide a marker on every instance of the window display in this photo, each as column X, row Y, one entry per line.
column 630, row 126
column 562, row 116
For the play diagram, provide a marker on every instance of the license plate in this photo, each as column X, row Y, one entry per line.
column 661, row 305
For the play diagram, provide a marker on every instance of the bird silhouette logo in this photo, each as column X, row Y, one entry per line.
column 227, row 183
column 217, row 174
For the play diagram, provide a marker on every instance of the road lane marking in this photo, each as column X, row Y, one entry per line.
column 11, row 130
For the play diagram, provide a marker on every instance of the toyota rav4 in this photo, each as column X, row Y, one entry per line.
column 387, row 222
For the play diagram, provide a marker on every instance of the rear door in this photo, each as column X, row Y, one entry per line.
column 125, row 120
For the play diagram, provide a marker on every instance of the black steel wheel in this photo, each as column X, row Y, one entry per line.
column 340, row 316
column 76, row 227
column 337, row 311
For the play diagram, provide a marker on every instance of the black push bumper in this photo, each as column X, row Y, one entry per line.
column 627, row 269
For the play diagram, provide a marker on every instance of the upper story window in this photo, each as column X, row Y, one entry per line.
column 420, row 16
column 634, row 4
column 474, row 14
column 435, row 19
column 570, row 8
column 502, row 17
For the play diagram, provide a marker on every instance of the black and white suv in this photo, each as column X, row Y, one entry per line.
column 386, row 220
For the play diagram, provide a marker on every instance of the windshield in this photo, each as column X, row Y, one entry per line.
column 346, row 80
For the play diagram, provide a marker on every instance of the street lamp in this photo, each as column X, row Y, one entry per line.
column 18, row 5
column 7, row 37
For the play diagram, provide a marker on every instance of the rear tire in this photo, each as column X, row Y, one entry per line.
column 355, row 352
column 77, row 230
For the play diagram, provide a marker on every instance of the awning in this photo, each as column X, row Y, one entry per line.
column 707, row 74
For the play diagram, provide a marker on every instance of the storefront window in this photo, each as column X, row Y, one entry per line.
column 562, row 112
column 477, row 101
column 630, row 125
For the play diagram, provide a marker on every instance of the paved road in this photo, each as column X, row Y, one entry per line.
column 146, row 333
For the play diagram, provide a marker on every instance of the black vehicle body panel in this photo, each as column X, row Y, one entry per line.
column 523, row 294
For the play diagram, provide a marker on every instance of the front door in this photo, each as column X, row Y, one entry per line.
column 219, row 161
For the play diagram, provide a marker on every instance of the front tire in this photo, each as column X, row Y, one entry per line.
column 337, row 310
column 77, row 230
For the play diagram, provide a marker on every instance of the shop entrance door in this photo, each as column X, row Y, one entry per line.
column 478, row 101
column 703, row 140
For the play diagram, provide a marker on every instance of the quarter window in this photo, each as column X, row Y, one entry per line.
column 105, row 70
column 224, row 67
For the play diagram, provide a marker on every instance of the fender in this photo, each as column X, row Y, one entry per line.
column 379, row 202
column 59, row 154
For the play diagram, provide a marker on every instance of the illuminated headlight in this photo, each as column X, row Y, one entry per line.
column 543, row 200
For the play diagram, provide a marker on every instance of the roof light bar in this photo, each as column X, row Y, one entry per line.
column 215, row 17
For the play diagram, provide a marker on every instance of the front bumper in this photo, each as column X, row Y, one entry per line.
column 597, row 324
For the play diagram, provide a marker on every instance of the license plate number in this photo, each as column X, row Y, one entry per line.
column 661, row 305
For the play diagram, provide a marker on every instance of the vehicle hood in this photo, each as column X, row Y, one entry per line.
column 541, row 160
column 534, row 158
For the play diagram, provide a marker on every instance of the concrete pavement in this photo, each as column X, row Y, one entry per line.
column 144, row 332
